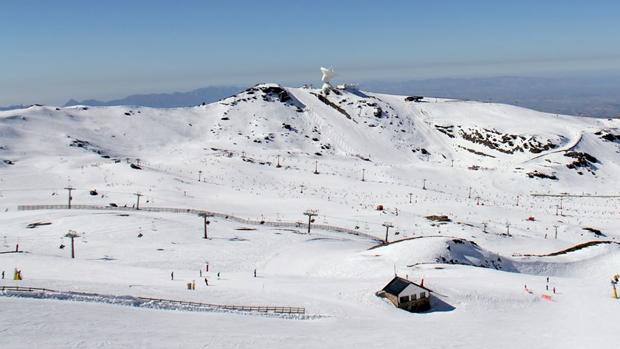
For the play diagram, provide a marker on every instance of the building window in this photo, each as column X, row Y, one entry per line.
column 404, row 299
column 422, row 295
column 414, row 297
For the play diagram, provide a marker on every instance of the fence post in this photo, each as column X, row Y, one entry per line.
column 187, row 210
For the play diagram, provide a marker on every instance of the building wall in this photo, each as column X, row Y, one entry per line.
column 417, row 305
column 413, row 289
column 392, row 298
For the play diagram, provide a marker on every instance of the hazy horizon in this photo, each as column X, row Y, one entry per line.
column 54, row 51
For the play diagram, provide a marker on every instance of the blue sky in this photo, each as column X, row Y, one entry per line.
column 55, row 50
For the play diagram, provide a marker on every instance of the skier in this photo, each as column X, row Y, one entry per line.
column 172, row 276
column 3, row 275
column 206, row 282
column 554, row 290
column 218, row 274
column 200, row 272
column 254, row 272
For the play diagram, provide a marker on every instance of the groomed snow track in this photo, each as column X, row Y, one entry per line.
column 570, row 249
column 298, row 313
column 325, row 227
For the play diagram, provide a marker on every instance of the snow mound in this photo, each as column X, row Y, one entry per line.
column 442, row 250
column 599, row 260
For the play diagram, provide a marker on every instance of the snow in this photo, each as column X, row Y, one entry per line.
column 479, row 276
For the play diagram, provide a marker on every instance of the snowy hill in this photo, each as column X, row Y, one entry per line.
column 346, row 123
column 465, row 186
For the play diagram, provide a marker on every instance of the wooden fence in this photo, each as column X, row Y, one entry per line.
column 248, row 308
column 209, row 213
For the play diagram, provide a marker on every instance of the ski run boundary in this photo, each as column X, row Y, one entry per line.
column 293, row 313
column 326, row 227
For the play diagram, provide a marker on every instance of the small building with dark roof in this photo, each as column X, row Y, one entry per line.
column 407, row 295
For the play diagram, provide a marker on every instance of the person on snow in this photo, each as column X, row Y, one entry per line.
column 172, row 276
column 206, row 282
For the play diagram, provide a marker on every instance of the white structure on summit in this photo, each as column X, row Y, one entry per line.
column 328, row 74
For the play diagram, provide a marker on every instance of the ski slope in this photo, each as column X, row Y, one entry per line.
column 476, row 163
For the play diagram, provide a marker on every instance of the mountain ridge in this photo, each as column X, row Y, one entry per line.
column 588, row 96
column 165, row 100
column 340, row 124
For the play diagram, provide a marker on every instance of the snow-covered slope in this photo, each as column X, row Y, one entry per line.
column 344, row 123
column 454, row 178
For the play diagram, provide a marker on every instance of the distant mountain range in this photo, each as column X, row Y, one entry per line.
column 11, row 107
column 587, row 96
column 167, row 100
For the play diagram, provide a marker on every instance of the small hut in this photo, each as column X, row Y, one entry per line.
column 407, row 295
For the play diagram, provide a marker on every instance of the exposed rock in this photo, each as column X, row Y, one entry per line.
column 37, row 224
column 438, row 218
column 78, row 143
column 476, row 152
column 610, row 137
column 582, row 160
column 596, row 232
column 447, row 130
column 288, row 127
column 277, row 91
column 536, row 174
column 496, row 140
column 414, row 99
column 378, row 113
column 333, row 105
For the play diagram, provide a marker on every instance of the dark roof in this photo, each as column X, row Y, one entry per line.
column 398, row 284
